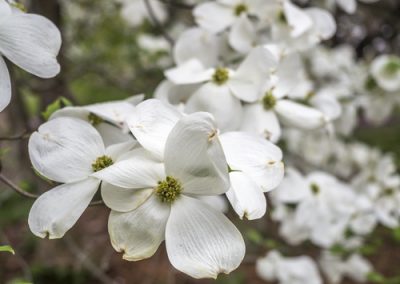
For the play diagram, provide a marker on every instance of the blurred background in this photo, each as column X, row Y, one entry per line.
column 111, row 52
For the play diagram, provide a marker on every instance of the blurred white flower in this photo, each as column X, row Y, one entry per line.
column 288, row 270
column 31, row 42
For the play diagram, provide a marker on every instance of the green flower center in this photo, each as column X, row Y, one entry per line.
column 94, row 119
column 269, row 101
column 392, row 67
column 220, row 76
column 315, row 188
column 282, row 17
column 168, row 190
column 102, row 163
column 19, row 6
column 241, row 8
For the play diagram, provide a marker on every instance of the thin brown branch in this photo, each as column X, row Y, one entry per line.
column 177, row 4
column 157, row 22
column 16, row 188
column 22, row 136
column 24, row 193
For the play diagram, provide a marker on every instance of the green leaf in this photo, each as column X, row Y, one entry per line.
column 375, row 277
column 254, row 236
column 7, row 249
column 59, row 103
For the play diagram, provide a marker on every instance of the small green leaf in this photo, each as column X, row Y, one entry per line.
column 7, row 249
column 375, row 277
column 59, row 103
column 254, row 236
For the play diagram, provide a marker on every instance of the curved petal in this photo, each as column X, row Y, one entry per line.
column 113, row 135
column 242, row 35
column 124, row 199
column 259, row 121
column 32, row 42
column 114, row 112
column 151, row 123
column 116, row 151
column 298, row 115
column 258, row 65
column 139, row 233
column 193, row 154
column 214, row 16
column 5, row 85
column 255, row 156
column 197, row 43
column 63, row 149
column 139, row 170
column 218, row 101
column 324, row 23
column 5, row 10
column 58, row 209
column 297, row 19
column 349, row 6
column 189, row 72
column 246, row 197
column 201, row 241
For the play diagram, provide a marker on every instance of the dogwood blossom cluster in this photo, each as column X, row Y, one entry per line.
column 158, row 170
column 248, row 75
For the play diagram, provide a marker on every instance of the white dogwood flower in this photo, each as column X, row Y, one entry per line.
column 385, row 69
column 255, row 167
column 221, row 90
column 233, row 15
column 31, row 42
column 354, row 267
column 68, row 151
column 159, row 202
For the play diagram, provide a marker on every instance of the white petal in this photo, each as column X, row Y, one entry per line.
column 257, row 66
column 5, row 10
column 297, row 19
column 124, row 199
column 246, row 197
column 298, row 115
column 63, row 149
column 324, row 25
column 197, row 43
column 218, row 202
column 201, row 241
column 113, row 135
column 259, row 121
column 5, row 85
column 328, row 105
column 115, row 151
column 244, row 90
column 219, row 101
column 139, row 170
column 257, row 157
column 214, row 16
column 242, row 35
column 193, row 154
column 58, row 209
column 349, row 6
column 139, row 233
column 32, row 42
column 190, row 72
column 151, row 123
column 114, row 112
